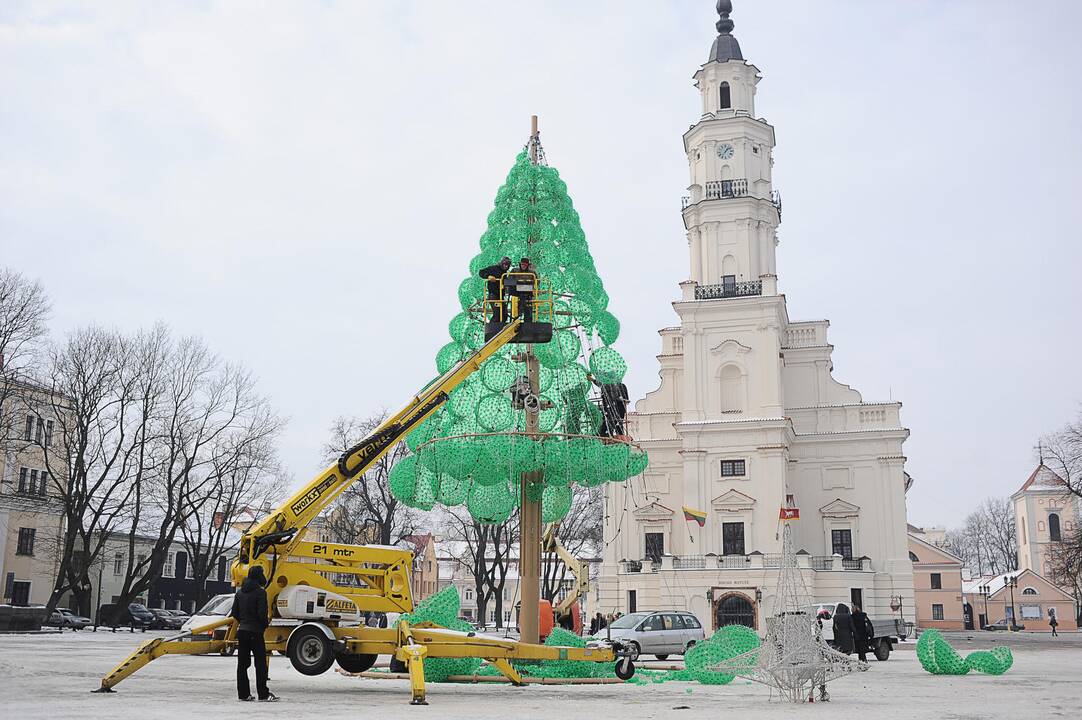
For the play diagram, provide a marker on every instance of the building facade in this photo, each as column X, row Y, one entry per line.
column 937, row 584
column 1030, row 599
column 748, row 413
column 1046, row 513
column 31, row 511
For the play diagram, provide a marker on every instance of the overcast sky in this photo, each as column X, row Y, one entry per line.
column 272, row 176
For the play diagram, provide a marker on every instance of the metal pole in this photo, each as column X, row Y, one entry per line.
column 530, row 510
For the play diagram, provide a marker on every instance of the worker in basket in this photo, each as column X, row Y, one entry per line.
column 492, row 275
column 520, row 283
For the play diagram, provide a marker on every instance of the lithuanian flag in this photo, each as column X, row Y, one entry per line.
column 697, row 515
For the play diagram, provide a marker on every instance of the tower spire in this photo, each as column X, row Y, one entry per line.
column 725, row 47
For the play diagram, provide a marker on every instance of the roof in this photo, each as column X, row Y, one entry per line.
column 997, row 583
column 419, row 542
column 725, row 47
column 946, row 554
column 1042, row 477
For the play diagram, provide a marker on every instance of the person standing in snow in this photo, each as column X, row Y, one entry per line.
column 250, row 612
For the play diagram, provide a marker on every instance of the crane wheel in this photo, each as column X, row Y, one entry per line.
column 355, row 663
column 625, row 668
column 309, row 650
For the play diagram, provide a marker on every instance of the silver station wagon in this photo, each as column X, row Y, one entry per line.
column 657, row 633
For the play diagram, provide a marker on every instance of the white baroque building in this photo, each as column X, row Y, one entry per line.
column 748, row 413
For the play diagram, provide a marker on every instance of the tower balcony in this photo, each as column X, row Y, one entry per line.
column 720, row 189
column 724, row 290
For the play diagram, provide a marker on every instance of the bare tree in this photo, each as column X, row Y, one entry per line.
column 580, row 532
column 24, row 313
column 1065, row 564
column 487, row 555
column 1062, row 453
column 244, row 473
column 142, row 421
column 367, row 511
column 988, row 541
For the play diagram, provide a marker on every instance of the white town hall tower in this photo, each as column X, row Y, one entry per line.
column 748, row 413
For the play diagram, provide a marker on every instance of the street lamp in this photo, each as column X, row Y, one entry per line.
column 1012, row 583
column 983, row 590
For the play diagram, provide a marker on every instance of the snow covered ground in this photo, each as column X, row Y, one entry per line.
column 51, row 676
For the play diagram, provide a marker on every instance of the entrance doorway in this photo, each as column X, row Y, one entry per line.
column 734, row 609
column 20, row 593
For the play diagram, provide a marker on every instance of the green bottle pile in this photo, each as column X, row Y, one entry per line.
column 939, row 658
column 472, row 451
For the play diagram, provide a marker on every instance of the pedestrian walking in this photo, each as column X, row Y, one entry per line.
column 844, row 633
column 250, row 612
column 1052, row 621
column 863, row 632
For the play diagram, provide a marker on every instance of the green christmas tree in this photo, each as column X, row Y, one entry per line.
column 473, row 451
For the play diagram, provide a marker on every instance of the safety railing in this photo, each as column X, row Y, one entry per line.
column 689, row 562
column 721, row 291
column 720, row 189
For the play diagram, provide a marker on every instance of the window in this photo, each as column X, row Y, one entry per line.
column 937, row 581
column 506, row 617
column 469, row 594
column 1023, row 531
column 691, row 622
column 48, row 433
column 118, row 563
column 1031, row 612
column 655, row 546
column 632, row 603
column 167, row 567
column 724, row 97
column 1029, row 591
column 39, row 436
column 43, row 483
column 142, row 558
column 26, row 541
column 1053, row 528
column 23, row 474
column 937, row 611
column 841, row 542
column 189, row 569
column 28, row 434
column 732, row 468
column 732, row 538
column 33, row 486
column 9, row 584
column 913, row 557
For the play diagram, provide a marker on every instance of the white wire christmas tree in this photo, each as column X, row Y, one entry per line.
column 794, row 658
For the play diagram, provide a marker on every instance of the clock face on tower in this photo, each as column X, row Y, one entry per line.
column 725, row 151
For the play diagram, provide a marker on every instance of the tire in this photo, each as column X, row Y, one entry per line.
column 662, row 657
column 882, row 650
column 355, row 663
column 691, row 644
column 634, row 650
column 309, row 650
column 625, row 668
column 228, row 650
column 398, row 666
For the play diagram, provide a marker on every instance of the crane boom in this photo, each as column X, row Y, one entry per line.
column 281, row 528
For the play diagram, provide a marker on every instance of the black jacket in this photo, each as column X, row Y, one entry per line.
column 250, row 606
column 844, row 633
column 497, row 272
column 863, row 632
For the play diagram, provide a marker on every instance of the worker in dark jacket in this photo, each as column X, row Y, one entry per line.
column 844, row 633
column 863, row 633
column 491, row 275
column 250, row 612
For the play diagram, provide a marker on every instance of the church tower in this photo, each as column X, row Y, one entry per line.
column 730, row 154
column 747, row 413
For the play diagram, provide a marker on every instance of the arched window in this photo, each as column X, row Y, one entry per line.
column 724, row 99
column 732, row 389
column 1053, row 527
column 1029, row 591
column 913, row 557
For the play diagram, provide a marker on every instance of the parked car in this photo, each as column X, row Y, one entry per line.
column 217, row 608
column 887, row 631
column 165, row 620
column 131, row 616
column 660, row 634
column 64, row 618
column 1003, row 624
column 180, row 614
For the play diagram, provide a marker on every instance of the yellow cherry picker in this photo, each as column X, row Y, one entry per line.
column 325, row 588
